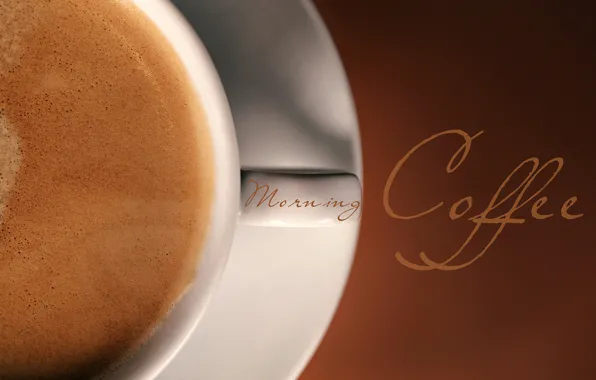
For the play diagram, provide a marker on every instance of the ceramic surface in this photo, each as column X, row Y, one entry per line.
column 292, row 109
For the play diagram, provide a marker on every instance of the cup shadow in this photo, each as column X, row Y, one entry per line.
column 287, row 90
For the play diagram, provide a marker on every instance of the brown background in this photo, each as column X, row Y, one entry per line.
column 524, row 74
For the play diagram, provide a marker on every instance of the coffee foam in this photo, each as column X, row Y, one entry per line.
column 109, row 199
column 14, row 28
column 10, row 161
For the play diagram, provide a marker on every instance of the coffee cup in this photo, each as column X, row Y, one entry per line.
column 270, row 199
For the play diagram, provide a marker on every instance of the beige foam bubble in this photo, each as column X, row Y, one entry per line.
column 10, row 161
column 13, row 30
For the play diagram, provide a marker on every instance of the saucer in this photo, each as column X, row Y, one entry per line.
column 293, row 110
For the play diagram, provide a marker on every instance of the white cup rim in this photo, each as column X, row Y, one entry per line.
column 175, row 330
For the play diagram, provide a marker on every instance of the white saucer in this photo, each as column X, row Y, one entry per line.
column 293, row 110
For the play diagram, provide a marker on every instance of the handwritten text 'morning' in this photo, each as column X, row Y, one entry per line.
column 268, row 199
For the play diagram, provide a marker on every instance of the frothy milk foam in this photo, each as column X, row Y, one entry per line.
column 10, row 161
column 106, row 181
column 11, row 32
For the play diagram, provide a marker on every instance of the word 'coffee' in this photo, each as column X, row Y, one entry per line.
column 461, row 208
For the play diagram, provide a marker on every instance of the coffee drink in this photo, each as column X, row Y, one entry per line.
column 106, row 183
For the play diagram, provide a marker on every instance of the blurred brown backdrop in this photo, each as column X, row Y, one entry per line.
column 524, row 73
